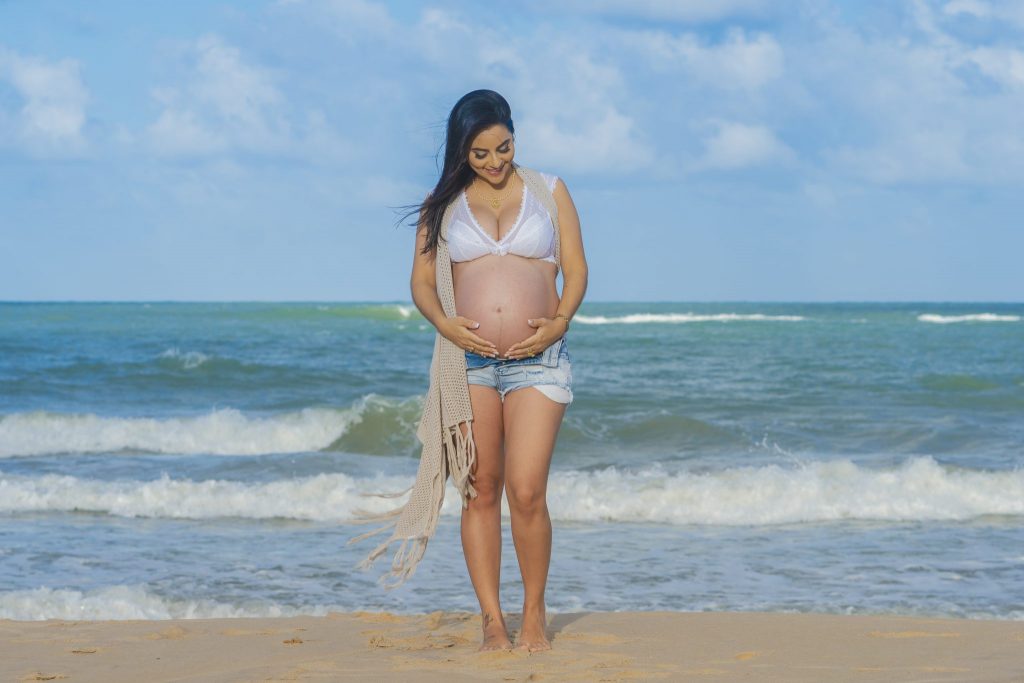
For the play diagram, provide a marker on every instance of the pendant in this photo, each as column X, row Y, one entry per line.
column 495, row 203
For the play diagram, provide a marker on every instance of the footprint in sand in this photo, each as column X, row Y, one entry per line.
column 170, row 633
column 380, row 640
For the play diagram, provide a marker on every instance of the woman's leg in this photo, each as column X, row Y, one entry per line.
column 481, row 521
column 531, row 423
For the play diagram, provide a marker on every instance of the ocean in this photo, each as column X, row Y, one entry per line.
column 175, row 460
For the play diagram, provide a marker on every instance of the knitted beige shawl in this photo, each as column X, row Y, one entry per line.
column 445, row 449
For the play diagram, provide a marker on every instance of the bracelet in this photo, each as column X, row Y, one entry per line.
column 563, row 317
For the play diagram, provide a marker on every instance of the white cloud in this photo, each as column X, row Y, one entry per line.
column 1011, row 11
column 738, row 145
column 669, row 10
column 179, row 131
column 570, row 117
column 1004, row 65
column 887, row 104
column 52, row 116
column 600, row 145
column 223, row 103
column 975, row 8
column 738, row 61
column 353, row 21
column 908, row 106
column 567, row 103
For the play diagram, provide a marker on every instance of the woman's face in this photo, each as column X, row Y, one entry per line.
column 491, row 152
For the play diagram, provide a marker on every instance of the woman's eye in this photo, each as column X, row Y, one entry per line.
column 484, row 156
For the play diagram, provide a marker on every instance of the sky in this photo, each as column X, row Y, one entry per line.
column 716, row 150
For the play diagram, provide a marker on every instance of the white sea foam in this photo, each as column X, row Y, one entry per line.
column 127, row 602
column 969, row 318
column 405, row 311
column 224, row 431
column 189, row 359
column 324, row 497
column 919, row 489
column 634, row 318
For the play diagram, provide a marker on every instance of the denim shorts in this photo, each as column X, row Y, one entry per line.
column 550, row 372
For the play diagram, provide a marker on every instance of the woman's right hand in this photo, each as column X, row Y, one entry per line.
column 457, row 330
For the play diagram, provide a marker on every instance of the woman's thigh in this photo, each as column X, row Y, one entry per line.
column 488, row 433
column 531, row 422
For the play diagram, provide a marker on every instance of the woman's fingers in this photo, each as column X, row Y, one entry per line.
column 525, row 346
column 479, row 345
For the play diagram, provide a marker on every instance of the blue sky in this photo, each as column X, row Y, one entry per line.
column 716, row 149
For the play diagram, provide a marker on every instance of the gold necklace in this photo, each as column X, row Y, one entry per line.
column 495, row 203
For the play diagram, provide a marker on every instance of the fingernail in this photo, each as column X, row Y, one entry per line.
column 476, row 324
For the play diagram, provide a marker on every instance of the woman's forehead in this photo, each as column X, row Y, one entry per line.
column 492, row 137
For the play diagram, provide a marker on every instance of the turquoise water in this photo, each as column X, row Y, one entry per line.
column 190, row 459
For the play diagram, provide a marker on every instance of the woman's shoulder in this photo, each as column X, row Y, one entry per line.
column 549, row 178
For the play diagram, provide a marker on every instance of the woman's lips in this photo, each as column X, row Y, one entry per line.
column 497, row 172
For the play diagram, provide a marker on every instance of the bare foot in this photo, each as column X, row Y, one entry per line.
column 532, row 637
column 495, row 634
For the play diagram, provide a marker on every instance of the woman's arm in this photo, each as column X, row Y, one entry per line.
column 423, row 285
column 423, row 282
column 574, row 261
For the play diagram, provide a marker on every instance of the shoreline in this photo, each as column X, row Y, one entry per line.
column 441, row 646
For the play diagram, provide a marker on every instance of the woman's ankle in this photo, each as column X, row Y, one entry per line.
column 534, row 611
column 490, row 618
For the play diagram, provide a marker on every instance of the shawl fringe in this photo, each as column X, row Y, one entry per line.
column 460, row 459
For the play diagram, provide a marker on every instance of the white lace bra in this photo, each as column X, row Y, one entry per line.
column 532, row 235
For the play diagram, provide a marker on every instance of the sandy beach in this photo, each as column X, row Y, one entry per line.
column 589, row 646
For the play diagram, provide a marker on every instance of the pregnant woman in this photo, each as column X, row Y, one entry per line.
column 490, row 240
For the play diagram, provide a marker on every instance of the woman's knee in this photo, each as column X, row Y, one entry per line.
column 488, row 490
column 526, row 498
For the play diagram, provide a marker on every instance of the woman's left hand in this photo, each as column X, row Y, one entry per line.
column 549, row 330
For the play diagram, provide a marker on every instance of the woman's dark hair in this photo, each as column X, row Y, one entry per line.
column 475, row 111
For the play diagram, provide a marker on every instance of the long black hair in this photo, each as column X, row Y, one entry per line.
column 475, row 111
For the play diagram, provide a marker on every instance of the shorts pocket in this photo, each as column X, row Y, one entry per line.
column 549, row 358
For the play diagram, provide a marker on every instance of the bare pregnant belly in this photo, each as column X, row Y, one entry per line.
column 502, row 292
